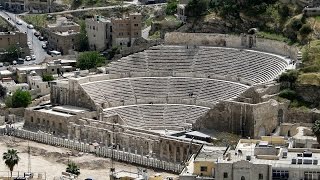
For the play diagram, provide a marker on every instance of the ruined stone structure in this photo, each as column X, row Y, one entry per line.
column 147, row 97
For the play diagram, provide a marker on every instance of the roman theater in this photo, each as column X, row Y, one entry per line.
column 150, row 102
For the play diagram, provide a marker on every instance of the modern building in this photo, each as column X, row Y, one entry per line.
column 11, row 86
column 105, row 33
column 126, row 30
column 62, row 36
column 99, row 33
column 270, row 158
column 55, row 67
column 40, row 87
column 8, row 39
column 36, row 6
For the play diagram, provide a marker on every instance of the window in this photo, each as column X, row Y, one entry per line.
column 243, row 178
column 225, row 175
column 203, row 168
column 260, row 176
column 134, row 17
column 94, row 28
column 136, row 25
column 52, row 69
column 31, row 119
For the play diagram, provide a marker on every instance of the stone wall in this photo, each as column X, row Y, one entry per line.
column 295, row 115
column 309, row 93
column 253, row 120
column 51, row 122
column 70, row 92
column 144, row 142
column 234, row 41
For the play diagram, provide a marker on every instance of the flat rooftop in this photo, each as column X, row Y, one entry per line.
column 27, row 68
column 69, row 109
column 247, row 149
column 5, row 72
column 210, row 153
column 50, row 111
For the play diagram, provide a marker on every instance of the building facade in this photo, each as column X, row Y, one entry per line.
column 99, row 33
column 35, row 6
column 8, row 39
column 126, row 30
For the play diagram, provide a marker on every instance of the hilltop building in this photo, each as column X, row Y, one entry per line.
column 106, row 33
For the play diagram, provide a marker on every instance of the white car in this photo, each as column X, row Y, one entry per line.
column 19, row 22
column 30, row 26
column 28, row 58
column 33, row 57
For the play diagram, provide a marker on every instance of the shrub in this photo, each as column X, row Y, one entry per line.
column 18, row 99
column 47, row 77
column 90, row 59
column 171, row 7
column 288, row 94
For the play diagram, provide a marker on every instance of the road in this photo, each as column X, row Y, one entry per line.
column 36, row 44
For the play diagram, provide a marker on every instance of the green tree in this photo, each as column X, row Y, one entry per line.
column 197, row 7
column 171, row 8
column 47, row 77
column 73, row 168
column 305, row 30
column 82, row 39
column 90, row 59
column 20, row 99
column 12, row 54
column 289, row 77
column 316, row 130
column 11, row 159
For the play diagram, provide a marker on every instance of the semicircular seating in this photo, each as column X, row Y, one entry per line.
column 171, row 90
column 158, row 116
column 253, row 66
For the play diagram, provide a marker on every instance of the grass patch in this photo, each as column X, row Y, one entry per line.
column 37, row 20
column 309, row 79
column 155, row 35
column 272, row 36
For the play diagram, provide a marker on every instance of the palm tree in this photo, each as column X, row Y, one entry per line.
column 11, row 158
column 73, row 168
column 316, row 130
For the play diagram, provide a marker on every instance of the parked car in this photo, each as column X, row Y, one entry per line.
column 20, row 61
column 44, row 46
column 19, row 22
column 33, row 57
column 28, row 58
column 14, row 62
column 41, row 38
column 1, row 64
column 30, row 26
column 36, row 33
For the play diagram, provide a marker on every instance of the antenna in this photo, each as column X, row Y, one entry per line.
column 112, row 169
column 29, row 159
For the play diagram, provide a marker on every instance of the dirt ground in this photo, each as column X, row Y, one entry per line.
column 53, row 160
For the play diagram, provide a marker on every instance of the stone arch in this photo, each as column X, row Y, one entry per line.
column 280, row 116
column 262, row 131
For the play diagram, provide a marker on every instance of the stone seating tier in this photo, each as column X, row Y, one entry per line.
column 170, row 90
column 158, row 116
column 255, row 67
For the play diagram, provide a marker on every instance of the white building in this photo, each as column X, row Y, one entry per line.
column 99, row 33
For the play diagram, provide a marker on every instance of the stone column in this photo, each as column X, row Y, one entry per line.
column 150, row 143
column 168, row 151
column 174, row 153
column 181, row 152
